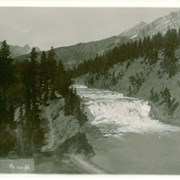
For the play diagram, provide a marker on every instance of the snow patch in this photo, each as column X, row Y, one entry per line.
column 134, row 36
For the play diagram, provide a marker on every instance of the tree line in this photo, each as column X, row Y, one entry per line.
column 24, row 87
column 29, row 84
column 148, row 48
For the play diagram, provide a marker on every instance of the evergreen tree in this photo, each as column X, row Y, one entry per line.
column 6, row 103
column 63, row 79
column 33, row 76
column 170, row 104
column 6, row 80
column 43, row 77
column 32, row 129
column 52, row 70
column 4, row 51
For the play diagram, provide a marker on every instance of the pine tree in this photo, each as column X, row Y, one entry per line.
column 52, row 69
column 34, row 113
column 6, row 103
column 4, row 51
column 170, row 105
column 6, row 80
column 34, row 75
column 43, row 77
column 32, row 119
column 61, row 79
column 170, row 42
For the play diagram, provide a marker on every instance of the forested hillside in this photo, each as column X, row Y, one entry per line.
column 35, row 93
column 71, row 56
column 148, row 69
column 26, row 87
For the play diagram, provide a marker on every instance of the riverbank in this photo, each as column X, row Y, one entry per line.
column 125, row 139
column 118, row 138
column 57, row 165
column 138, row 153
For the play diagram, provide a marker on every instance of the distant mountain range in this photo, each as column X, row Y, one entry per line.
column 75, row 54
column 17, row 51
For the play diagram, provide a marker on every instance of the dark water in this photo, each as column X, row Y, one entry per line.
column 138, row 154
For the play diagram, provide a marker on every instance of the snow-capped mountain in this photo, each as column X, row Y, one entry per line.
column 161, row 24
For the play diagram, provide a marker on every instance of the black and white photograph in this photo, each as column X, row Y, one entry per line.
column 90, row 90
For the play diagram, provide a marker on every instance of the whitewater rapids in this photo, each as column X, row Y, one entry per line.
column 115, row 114
column 124, row 138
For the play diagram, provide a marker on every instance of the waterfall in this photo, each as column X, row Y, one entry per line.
column 115, row 114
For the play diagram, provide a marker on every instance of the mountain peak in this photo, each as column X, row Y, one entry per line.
column 174, row 14
column 142, row 23
column 27, row 46
column 162, row 24
column 28, row 49
column 133, row 31
column 17, row 51
column 37, row 49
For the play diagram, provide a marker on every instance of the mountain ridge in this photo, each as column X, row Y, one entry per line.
column 17, row 51
column 73, row 55
column 161, row 24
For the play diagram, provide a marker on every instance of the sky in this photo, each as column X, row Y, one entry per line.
column 46, row 27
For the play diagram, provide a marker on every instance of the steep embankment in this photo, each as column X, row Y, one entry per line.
column 63, row 133
column 143, row 80
column 59, row 127
column 66, row 143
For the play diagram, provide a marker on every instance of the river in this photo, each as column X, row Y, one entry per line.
column 125, row 139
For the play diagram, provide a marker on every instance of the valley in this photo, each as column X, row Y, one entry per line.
column 110, row 106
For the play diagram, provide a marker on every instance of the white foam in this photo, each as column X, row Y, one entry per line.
column 115, row 114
